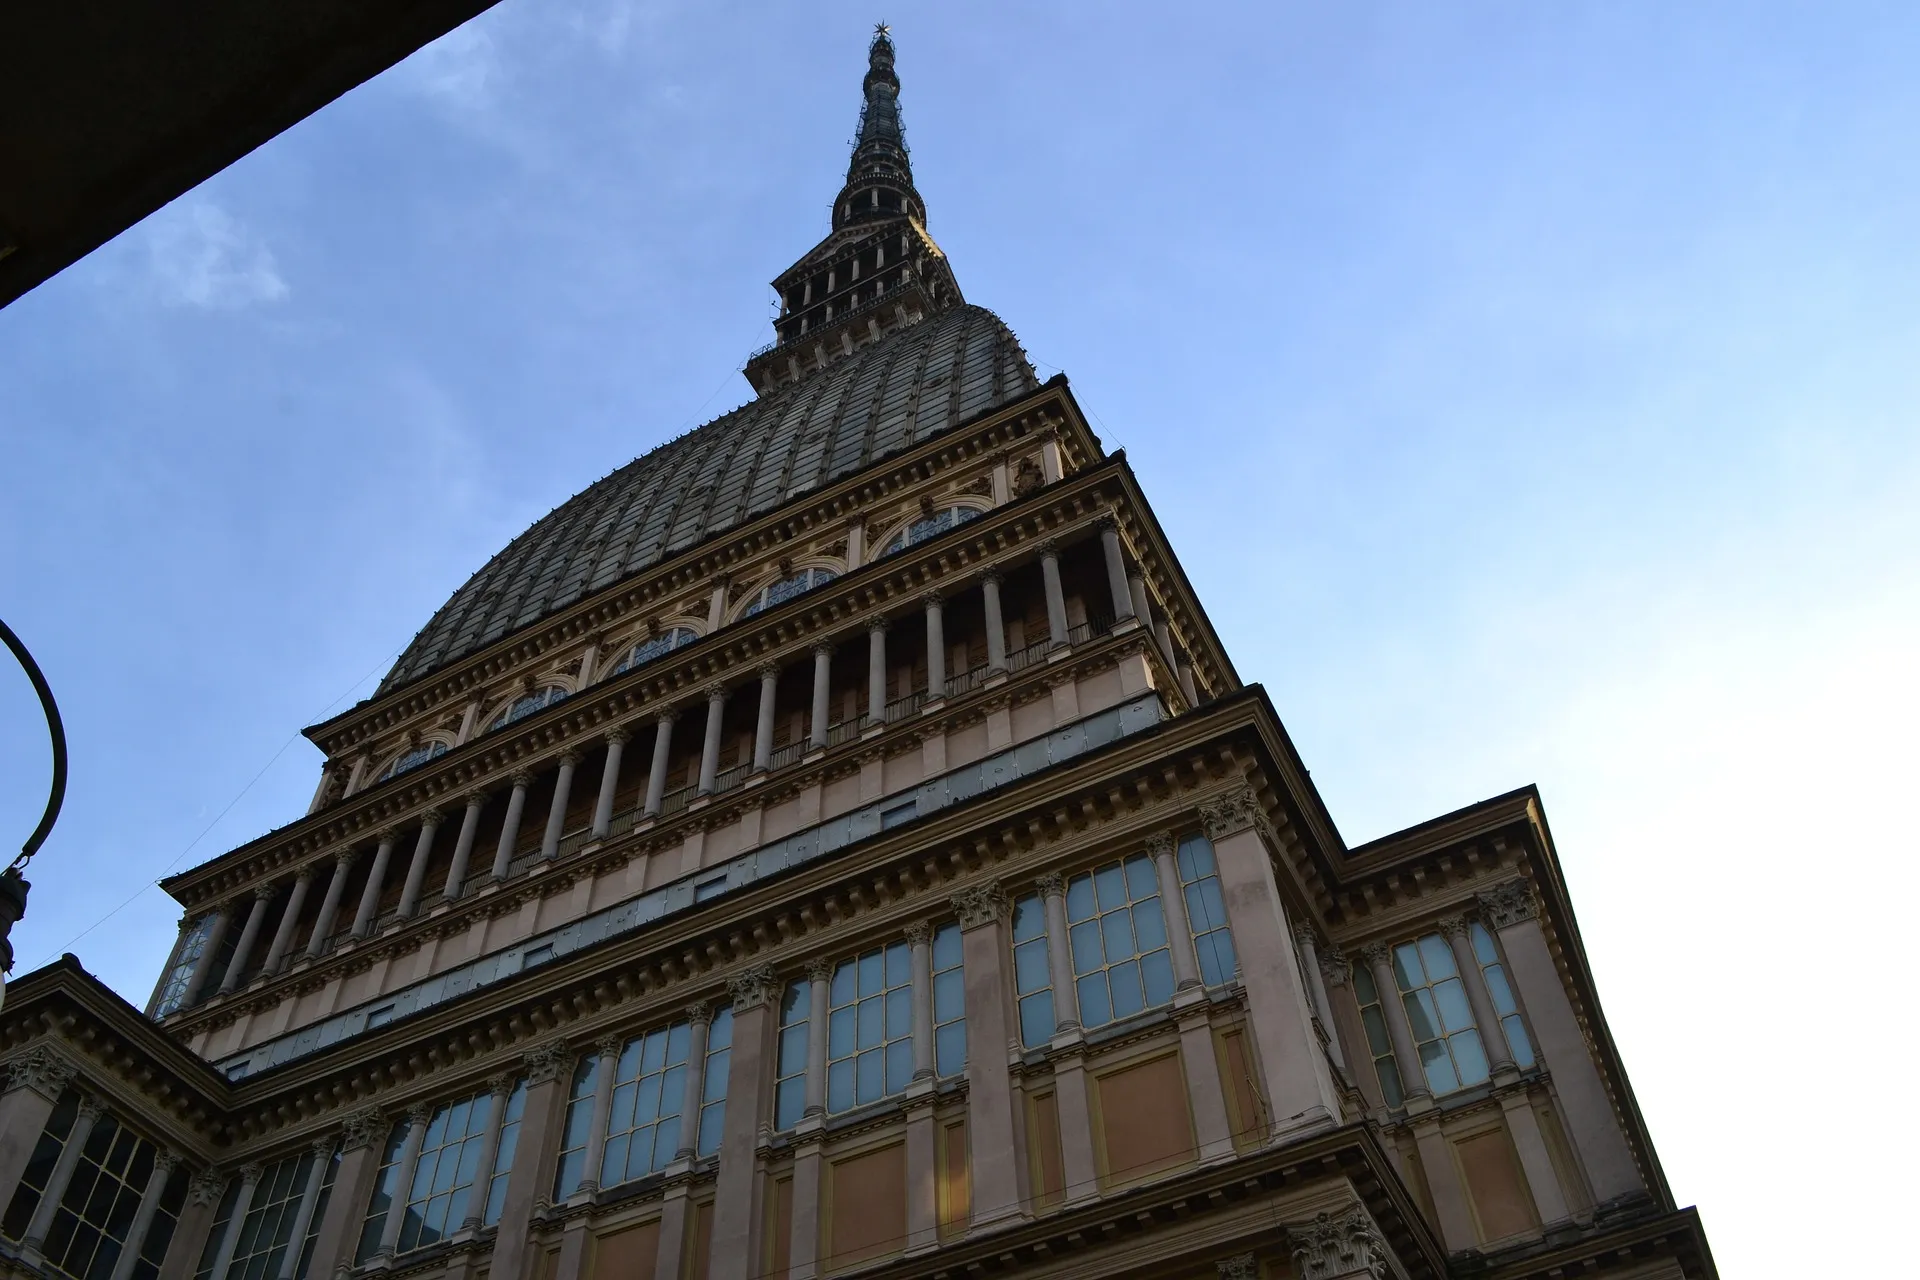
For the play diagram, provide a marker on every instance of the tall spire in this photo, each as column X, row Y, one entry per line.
column 878, row 270
column 880, row 174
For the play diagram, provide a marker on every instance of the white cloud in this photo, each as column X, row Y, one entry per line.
column 199, row 255
column 460, row 70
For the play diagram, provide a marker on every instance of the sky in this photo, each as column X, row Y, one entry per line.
column 1529, row 390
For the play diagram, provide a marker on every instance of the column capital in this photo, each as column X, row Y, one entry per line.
column 752, row 987
column 1377, row 954
column 522, row 778
column 877, row 622
column 716, row 692
column 343, row 861
column 980, row 904
column 166, row 1160
column 619, row 736
column 92, row 1106
column 548, row 1061
column 569, row 758
column 1050, row 547
column 823, row 650
column 250, row 1173
column 386, row 835
column 322, row 1147
column 1454, row 926
column 1107, row 522
column 433, row 817
column 700, row 1012
column 1052, row 885
column 475, row 799
column 1231, row 813
column 665, row 717
column 305, row 874
column 1508, row 904
column 43, row 1069
column 265, row 893
column 1305, row 936
column 933, row 598
column 820, row 969
column 1334, row 965
column 1159, row 844
column 608, row 1047
column 1242, row 1266
column 501, row 1083
column 919, row 933
column 994, row 575
column 1335, row 1246
column 205, row 1189
column 420, row 1113
column 769, row 670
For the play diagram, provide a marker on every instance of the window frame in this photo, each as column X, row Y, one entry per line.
column 884, row 1053
column 1201, row 896
column 630, row 659
column 1024, row 940
column 1436, row 1013
column 1135, row 870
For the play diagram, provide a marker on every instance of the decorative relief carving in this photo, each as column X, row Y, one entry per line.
column 548, row 1061
column 1239, row 1267
column 1231, row 813
column 608, row 1047
column 1338, row 1245
column 1052, row 885
column 700, row 1012
column 166, row 1160
column 250, row 1173
column 980, row 904
column 420, row 1114
column 1377, row 954
column 1334, row 966
column 92, row 1108
column 819, row 970
column 1160, row 843
column 919, row 933
column 1452, row 926
column 1508, row 904
column 753, row 987
column 501, row 1083
column 205, row 1189
column 41, row 1069
column 322, row 1147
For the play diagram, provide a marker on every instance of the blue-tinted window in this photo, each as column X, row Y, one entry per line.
column 1118, row 939
column 1032, row 979
column 653, row 647
column 1206, row 911
column 787, row 588
column 949, row 1002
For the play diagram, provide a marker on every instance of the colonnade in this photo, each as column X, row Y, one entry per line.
column 1129, row 602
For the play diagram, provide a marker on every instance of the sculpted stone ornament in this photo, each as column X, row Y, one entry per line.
column 753, row 987
column 980, row 904
column 1242, row 1266
column 700, row 1012
column 1335, row 1246
column 42, row 1069
column 501, row 1083
column 206, row 1189
column 548, row 1061
column 1508, row 904
column 1052, row 885
column 1231, row 813
column 1160, row 842
column 919, row 933
column 1334, row 966
column 819, row 970
column 1452, row 926
column 1377, row 954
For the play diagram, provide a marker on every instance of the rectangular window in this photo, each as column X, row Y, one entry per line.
column 1504, row 1005
column 575, row 1129
column 1444, row 1036
column 503, row 1160
column 90, row 1227
column 713, row 1090
column 1379, row 1042
column 870, row 1028
column 379, row 1017
column 949, row 1003
column 266, row 1233
column 46, row 1154
column 707, row 890
column 1206, row 911
column 649, row 1088
column 1118, row 939
column 537, row 955
column 210, row 1250
column 173, row 1198
column 445, row 1174
column 174, row 993
column 1032, row 980
column 790, row 1084
column 380, row 1202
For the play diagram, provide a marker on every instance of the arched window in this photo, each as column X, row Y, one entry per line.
column 787, row 588
column 653, row 647
column 521, row 708
column 931, row 526
column 413, row 759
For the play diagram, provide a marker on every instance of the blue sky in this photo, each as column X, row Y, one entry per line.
column 1529, row 389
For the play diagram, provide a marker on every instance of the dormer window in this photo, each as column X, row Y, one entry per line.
column 521, row 708
column 653, row 647
column 787, row 588
column 928, row 527
column 414, row 758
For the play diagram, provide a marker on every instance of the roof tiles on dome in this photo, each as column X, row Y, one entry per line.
column 911, row 384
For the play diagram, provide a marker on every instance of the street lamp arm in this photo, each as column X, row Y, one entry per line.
column 55, row 730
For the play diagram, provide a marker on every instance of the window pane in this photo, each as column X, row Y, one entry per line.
column 1085, row 937
column 950, row 1049
column 1079, row 897
column 1363, row 985
column 1029, row 918
column 899, row 965
column 1124, row 981
column 840, row 1036
column 870, row 1076
column 1439, row 1068
column 1503, row 1002
column 1111, row 887
column 1470, row 1057
column 1149, row 926
column 843, row 984
column 1036, row 1018
column 1406, row 968
column 899, row 1065
column 872, row 1025
column 872, row 974
column 1419, row 1006
column 1450, row 997
column 1094, row 1009
column 1116, row 932
column 1483, row 948
column 899, row 1012
column 1156, row 975
column 840, row 1085
column 949, row 995
column 1196, row 857
column 1141, row 881
column 946, row 947
column 1438, row 957
column 1030, row 966
column 1518, row 1042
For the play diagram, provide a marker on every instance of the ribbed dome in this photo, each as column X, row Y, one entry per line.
column 911, row 384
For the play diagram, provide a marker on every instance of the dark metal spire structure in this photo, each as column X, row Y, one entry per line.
column 880, row 173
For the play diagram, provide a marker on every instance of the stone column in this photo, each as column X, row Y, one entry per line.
column 763, row 724
column 357, row 776
column 363, row 1137
column 35, row 1081
column 1317, row 986
column 283, row 933
column 1056, row 597
column 204, row 1190
column 1492, row 1035
column 320, row 791
column 920, row 968
column 1543, row 1182
column 463, row 847
column 510, row 826
column 609, row 783
column 203, row 967
column 607, row 1053
column 1050, row 467
column 819, row 987
column 657, row 773
column 1183, row 676
column 822, row 677
column 1116, row 568
column 710, row 745
column 469, row 719
column 330, row 904
column 737, row 1204
column 417, row 1117
column 557, row 811
column 1212, row 1132
column 376, row 881
column 1066, row 998
column 1137, row 592
column 549, row 1072
column 1297, row 1079
column 249, row 936
column 804, row 1244
column 309, row 1201
column 982, row 909
column 699, row 1019
column 716, row 603
column 1413, row 1076
column 499, row 1089
column 877, row 671
column 1513, row 915
column 996, row 625
column 230, row 1238
column 936, row 647
column 417, row 869
column 1173, row 899
column 1339, row 1245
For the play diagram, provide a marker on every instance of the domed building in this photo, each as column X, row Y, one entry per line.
column 837, row 843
